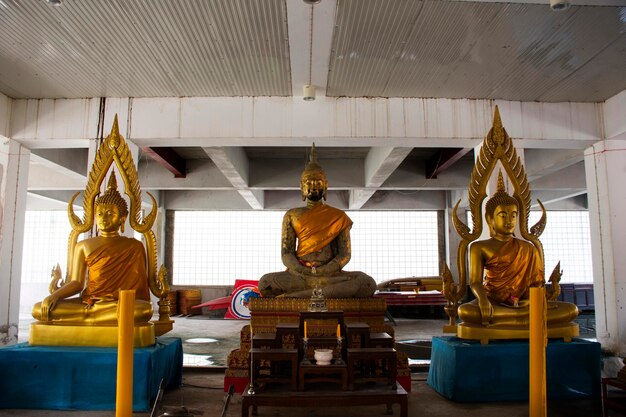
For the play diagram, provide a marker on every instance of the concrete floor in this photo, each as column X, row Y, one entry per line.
column 202, row 389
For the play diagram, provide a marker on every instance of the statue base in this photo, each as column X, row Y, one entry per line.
column 565, row 331
column 162, row 326
column 46, row 334
column 450, row 328
column 466, row 371
column 84, row 378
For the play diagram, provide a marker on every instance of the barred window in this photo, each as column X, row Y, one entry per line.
column 217, row 247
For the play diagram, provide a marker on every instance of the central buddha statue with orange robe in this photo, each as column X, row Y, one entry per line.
column 315, row 247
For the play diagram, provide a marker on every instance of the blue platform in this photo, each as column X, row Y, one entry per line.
column 466, row 371
column 84, row 378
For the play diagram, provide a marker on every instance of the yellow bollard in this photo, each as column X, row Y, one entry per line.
column 125, row 332
column 537, row 353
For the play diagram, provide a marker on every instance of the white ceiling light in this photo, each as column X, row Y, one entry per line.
column 558, row 5
column 308, row 91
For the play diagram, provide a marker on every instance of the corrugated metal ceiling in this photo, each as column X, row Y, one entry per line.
column 380, row 48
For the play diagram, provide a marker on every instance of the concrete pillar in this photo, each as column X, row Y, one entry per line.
column 14, row 162
column 605, row 167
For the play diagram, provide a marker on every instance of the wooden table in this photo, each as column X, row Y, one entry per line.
column 386, row 355
column 277, row 397
column 275, row 355
column 616, row 402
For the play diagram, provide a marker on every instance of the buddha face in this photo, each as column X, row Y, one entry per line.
column 108, row 218
column 502, row 221
column 313, row 187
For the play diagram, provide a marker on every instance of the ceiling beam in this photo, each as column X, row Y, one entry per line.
column 300, row 51
column 168, row 157
column 380, row 163
column 233, row 163
column 69, row 162
column 443, row 159
column 540, row 163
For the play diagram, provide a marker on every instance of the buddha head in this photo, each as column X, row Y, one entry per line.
column 501, row 211
column 313, row 183
column 110, row 208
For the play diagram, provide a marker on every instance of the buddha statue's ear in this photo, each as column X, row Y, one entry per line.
column 489, row 221
column 122, row 222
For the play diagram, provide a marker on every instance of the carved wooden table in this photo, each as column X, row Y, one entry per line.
column 281, row 397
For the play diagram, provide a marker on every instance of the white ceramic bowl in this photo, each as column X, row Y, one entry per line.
column 323, row 356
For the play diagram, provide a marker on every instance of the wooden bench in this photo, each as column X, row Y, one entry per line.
column 277, row 397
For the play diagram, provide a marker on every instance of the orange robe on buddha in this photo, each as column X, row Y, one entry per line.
column 515, row 267
column 117, row 265
column 319, row 226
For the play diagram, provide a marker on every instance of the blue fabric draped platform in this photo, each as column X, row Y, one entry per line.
column 466, row 371
column 84, row 378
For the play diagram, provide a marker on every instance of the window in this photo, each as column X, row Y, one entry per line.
column 566, row 239
column 46, row 236
column 217, row 247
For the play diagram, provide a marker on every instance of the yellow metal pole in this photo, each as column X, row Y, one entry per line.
column 125, row 320
column 537, row 353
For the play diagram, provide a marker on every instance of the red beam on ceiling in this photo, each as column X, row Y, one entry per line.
column 169, row 159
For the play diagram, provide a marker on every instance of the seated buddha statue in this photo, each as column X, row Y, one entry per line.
column 315, row 247
column 503, row 268
column 100, row 268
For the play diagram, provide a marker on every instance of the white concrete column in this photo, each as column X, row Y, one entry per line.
column 14, row 160
column 605, row 167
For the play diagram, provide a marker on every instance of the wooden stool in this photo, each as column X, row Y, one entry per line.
column 287, row 336
column 274, row 355
column 380, row 340
column 264, row 341
column 617, row 399
column 357, row 335
column 370, row 357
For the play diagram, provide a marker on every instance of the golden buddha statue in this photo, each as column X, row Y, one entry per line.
column 322, row 234
column 113, row 263
column 81, row 309
column 503, row 267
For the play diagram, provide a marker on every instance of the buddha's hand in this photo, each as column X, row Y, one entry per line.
column 486, row 312
column 47, row 305
column 310, row 268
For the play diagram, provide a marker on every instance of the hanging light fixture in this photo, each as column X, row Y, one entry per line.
column 308, row 91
